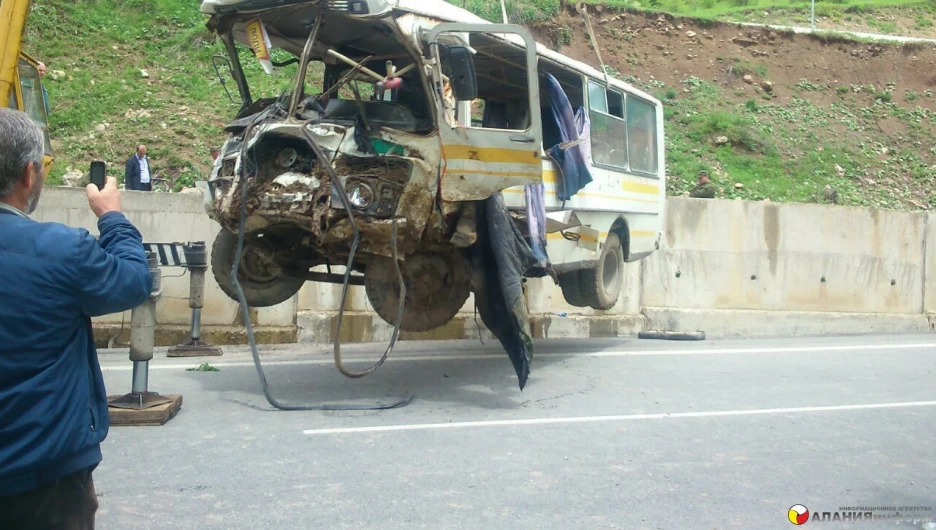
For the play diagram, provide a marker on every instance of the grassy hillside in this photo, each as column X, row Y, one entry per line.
column 123, row 72
column 854, row 122
column 896, row 17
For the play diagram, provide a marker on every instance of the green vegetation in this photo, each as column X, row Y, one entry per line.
column 203, row 368
column 798, row 12
column 518, row 11
column 756, row 150
column 123, row 72
column 728, row 8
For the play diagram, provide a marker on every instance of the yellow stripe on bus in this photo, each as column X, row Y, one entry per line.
column 636, row 187
column 551, row 177
column 585, row 194
column 515, row 174
column 491, row 154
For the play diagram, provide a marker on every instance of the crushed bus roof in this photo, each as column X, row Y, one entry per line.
column 439, row 10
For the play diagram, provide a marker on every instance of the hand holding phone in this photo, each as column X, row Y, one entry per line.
column 104, row 199
column 99, row 174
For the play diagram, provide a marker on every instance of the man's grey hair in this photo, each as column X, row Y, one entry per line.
column 20, row 143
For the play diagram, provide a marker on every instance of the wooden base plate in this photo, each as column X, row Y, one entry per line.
column 194, row 348
column 152, row 417
column 182, row 351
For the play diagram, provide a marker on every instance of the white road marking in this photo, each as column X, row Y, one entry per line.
column 493, row 355
column 629, row 417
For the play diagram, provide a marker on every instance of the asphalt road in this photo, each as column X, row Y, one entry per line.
column 623, row 434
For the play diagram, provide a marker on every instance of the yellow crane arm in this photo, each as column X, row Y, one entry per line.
column 13, row 15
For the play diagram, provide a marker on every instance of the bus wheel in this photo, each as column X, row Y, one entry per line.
column 437, row 287
column 602, row 285
column 571, row 285
column 263, row 282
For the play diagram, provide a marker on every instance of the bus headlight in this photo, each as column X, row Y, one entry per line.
column 360, row 195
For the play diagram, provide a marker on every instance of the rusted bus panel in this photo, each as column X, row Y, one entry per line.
column 476, row 171
column 415, row 205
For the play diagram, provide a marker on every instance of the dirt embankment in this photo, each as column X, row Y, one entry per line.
column 670, row 49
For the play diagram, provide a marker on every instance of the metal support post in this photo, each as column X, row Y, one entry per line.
column 142, row 341
column 196, row 258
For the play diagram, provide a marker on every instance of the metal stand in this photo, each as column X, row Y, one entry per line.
column 196, row 258
column 140, row 406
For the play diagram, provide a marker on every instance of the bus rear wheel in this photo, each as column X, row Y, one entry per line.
column 437, row 287
column 600, row 286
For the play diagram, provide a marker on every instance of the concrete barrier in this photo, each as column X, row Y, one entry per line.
column 724, row 267
column 766, row 269
column 791, row 257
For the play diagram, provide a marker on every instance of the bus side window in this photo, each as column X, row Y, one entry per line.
column 641, row 136
column 608, row 128
column 597, row 98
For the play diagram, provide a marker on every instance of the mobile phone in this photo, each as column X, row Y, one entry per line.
column 99, row 173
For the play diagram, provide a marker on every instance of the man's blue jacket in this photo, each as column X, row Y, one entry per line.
column 53, row 278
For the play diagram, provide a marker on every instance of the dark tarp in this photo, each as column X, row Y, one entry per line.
column 572, row 161
column 499, row 260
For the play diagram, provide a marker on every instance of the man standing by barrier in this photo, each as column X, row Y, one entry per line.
column 137, row 175
column 53, row 279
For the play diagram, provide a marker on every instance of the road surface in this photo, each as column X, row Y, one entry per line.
column 622, row 434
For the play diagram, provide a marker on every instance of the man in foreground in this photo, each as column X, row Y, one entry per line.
column 53, row 279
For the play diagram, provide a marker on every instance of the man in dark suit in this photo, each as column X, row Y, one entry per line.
column 137, row 175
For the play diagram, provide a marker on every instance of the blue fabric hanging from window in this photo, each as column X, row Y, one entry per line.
column 573, row 160
column 536, row 221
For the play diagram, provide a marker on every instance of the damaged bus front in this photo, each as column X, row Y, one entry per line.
column 405, row 121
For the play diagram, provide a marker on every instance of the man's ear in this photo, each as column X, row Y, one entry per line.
column 29, row 175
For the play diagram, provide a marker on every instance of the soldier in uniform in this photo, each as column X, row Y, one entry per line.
column 705, row 188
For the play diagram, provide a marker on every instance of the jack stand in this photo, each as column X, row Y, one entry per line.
column 140, row 406
column 196, row 259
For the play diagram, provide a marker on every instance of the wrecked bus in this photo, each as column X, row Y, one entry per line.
column 466, row 153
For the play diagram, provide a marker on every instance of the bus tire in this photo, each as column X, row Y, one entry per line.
column 264, row 286
column 571, row 285
column 602, row 284
column 437, row 287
